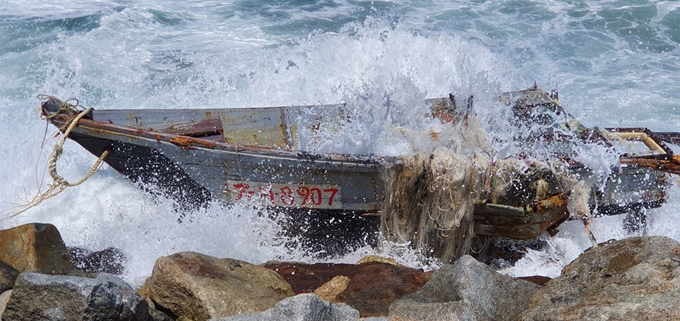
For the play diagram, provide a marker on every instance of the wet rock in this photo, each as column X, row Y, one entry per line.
column 57, row 297
column 330, row 290
column 109, row 260
column 198, row 287
column 4, row 297
column 303, row 307
column 465, row 290
column 632, row 279
column 35, row 247
column 376, row 285
column 372, row 288
column 377, row 258
column 536, row 279
column 7, row 276
column 305, row 278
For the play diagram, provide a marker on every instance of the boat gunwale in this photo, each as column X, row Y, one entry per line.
column 188, row 142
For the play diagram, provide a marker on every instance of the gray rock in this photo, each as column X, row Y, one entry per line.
column 48, row 297
column 466, row 290
column 7, row 276
column 303, row 307
column 4, row 297
column 198, row 287
column 632, row 279
column 159, row 315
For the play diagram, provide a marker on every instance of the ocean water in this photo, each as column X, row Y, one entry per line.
column 615, row 63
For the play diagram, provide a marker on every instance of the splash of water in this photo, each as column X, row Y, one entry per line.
column 166, row 55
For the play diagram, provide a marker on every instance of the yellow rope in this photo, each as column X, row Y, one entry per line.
column 59, row 183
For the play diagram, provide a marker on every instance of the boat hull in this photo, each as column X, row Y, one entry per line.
column 183, row 154
column 195, row 175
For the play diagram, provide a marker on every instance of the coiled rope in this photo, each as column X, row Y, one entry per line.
column 59, row 183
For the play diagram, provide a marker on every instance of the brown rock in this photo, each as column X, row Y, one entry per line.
column 632, row 279
column 329, row 290
column 372, row 288
column 35, row 247
column 376, row 285
column 536, row 279
column 8, row 275
column 195, row 287
column 377, row 258
column 305, row 278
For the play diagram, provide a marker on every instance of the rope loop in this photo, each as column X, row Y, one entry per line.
column 59, row 183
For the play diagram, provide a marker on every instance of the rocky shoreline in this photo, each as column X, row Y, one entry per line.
column 41, row 279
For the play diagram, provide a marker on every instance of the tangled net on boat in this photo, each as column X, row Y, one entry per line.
column 430, row 203
column 430, row 197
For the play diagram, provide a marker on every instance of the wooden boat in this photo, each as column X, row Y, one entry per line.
column 253, row 154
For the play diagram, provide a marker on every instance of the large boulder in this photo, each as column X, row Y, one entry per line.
column 302, row 307
column 7, row 276
column 35, row 247
column 195, row 287
column 376, row 285
column 306, row 278
column 58, row 297
column 372, row 286
column 637, row 278
column 466, row 290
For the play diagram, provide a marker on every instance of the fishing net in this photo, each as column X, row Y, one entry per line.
column 430, row 197
column 430, row 202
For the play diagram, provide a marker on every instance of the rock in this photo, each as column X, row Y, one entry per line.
column 302, row 307
column 7, row 276
column 466, row 290
column 194, row 286
column 632, row 279
column 330, row 290
column 305, row 278
column 153, row 309
column 4, row 297
column 536, row 279
column 376, row 285
column 159, row 315
column 35, row 247
column 58, row 297
column 372, row 288
column 377, row 258
column 109, row 260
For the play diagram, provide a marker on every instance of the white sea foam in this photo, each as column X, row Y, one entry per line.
column 384, row 56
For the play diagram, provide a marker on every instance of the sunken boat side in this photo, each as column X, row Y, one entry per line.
column 180, row 153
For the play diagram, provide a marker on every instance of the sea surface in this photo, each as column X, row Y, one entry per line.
column 615, row 63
